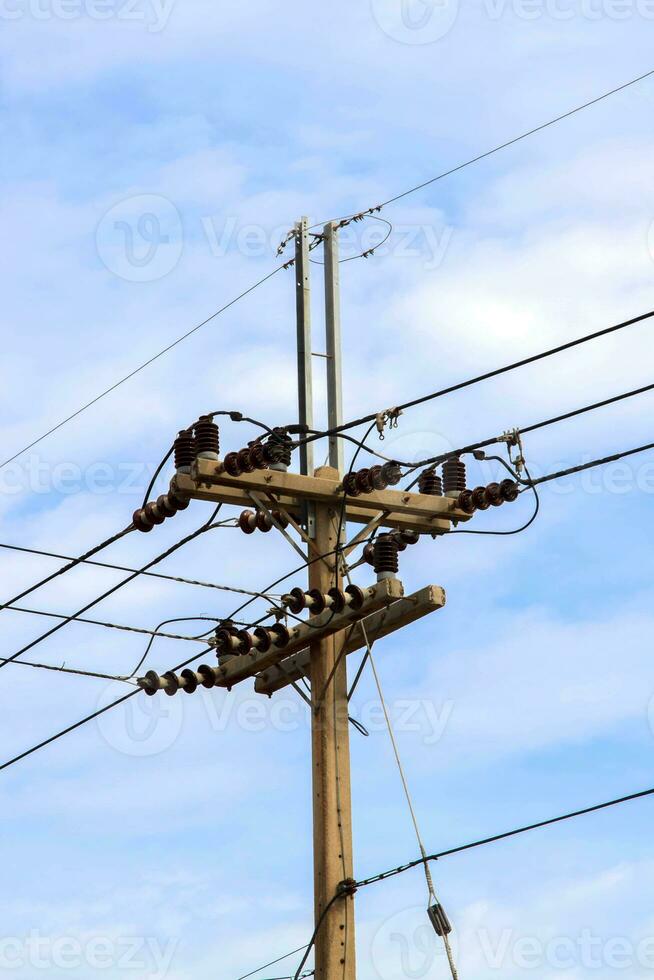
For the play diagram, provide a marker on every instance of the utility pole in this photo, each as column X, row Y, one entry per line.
column 341, row 620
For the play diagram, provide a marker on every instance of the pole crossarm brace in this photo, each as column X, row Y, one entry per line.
column 421, row 512
column 378, row 625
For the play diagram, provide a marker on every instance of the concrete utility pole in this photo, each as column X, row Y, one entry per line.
column 340, row 620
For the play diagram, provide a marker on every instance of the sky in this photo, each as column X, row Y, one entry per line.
column 154, row 153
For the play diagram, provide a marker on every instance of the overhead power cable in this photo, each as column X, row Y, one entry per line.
column 495, row 149
column 496, row 838
column 587, row 466
column 127, row 568
column 142, row 366
column 391, row 200
column 99, row 622
column 165, row 554
column 488, row 375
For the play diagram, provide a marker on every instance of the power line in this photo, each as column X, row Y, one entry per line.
column 169, row 551
column 496, row 838
column 569, row 345
column 279, row 959
column 587, row 466
column 504, row 146
column 127, row 568
column 145, row 364
column 99, row 622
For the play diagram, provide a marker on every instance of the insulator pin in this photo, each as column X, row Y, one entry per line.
column 156, row 512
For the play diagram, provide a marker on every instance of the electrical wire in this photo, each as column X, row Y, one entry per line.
column 71, row 564
column 496, row 838
column 72, row 670
column 493, row 150
column 113, row 626
column 127, row 568
column 169, row 551
column 165, row 622
column 272, row 963
column 145, row 364
column 523, row 362
column 588, row 466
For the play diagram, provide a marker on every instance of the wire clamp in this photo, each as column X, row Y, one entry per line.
column 347, row 887
column 513, row 440
column 389, row 416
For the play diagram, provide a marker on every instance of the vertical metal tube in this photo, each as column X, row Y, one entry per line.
column 333, row 329
column 304, row 364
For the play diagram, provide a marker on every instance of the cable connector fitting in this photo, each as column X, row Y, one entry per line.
column 439, row 920
column 388, row 417
column 348, row 887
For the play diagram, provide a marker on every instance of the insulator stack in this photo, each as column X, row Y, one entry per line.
column 374, row 478
column 454, row 477
column 401, row 538
column 238, row 642
column 158, row 510
column 494, row 495
column 278, row 448
column 185, row 451
column 188, row 681
column 429, row 482
column 207, row 438
column 251, row 521
column 316, row 602
column 385, row 557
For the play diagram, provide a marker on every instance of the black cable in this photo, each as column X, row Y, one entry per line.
column 71, row 564
column 483, row 377
column 145, row 364
column 165, row 622
column 312, row 941
column 78, row 724
column 587, row 466
column 272, row 963
column 107, row 625
column 492, row 151
column 505, row 836
column 127, row 568
column 111, row 591
column 71, row 670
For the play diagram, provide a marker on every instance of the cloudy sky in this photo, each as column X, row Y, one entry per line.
column 153, row 155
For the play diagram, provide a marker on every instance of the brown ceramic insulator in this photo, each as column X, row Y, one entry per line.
column 411, row 537
column 356, row 596
column 191, row 681
column 185, row 451
column 177, row 500
column 140, row 521
column 247, row 521
column 315, row 601
column 207, row 437
column 466, row 503
column 480, row 498
column 399, row 541
column 377, row 478
column 172, row 687
column 258, row 456
column 364, row 482
column 245, row 461
column 510, row 490
column 151, row 683
column 224, row 640
column 494, row 494
column 385, row 554
column 279, row 447
column 281, row 635
column 281, row 518
column 153, row 513
column 264, row 521
column 350, row 485
column 338, row 600
column 392, row 473
column 246, row 641
column 264, row 639
column 368, row 553
column 167, row 505
column 231, row 464
column 454, row 476
column 208, row 676
column 429, row 482
column 295, row 601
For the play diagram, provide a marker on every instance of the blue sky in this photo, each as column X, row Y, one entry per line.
column 153, row 155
